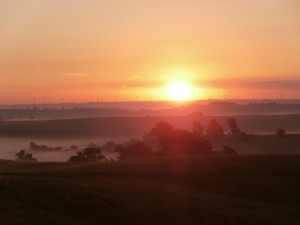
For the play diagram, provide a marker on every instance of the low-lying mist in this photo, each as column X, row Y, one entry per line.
column 10, row 146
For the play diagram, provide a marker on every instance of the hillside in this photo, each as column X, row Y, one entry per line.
column 133, row 126
column 221, row 190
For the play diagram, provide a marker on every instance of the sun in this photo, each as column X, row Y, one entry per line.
column 179, row 91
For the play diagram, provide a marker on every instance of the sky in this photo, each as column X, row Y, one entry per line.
column 81, row 50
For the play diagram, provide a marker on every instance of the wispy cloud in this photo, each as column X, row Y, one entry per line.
column 44, row 69
column 27, row 83
column 133, row 77
column 255, row 84
column 75, row 74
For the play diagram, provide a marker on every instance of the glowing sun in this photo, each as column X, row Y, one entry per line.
column 179, row 91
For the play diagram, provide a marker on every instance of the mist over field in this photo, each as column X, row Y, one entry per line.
column 127, row 124
column 148, row 108
column 10, row 146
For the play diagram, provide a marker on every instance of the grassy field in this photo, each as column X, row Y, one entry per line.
column 261, row 144
column 239, row 189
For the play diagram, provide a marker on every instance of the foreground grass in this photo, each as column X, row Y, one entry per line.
column 181, row 190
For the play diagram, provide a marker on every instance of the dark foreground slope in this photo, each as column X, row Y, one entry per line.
column 182, row 190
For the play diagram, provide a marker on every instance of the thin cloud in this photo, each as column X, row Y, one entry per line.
column 27, row 83
column 75, row 74
column 127, row 84
column 45, row 69
column 133, row 78
column 255, row 84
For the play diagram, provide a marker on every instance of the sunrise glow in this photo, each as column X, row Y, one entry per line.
column 53, row 51
column 179, row 91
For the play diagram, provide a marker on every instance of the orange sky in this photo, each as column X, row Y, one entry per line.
column 124, row 49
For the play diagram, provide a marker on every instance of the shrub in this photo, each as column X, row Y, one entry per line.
column 214, row 129
column 134, row 149
column 90, row 154
column 25, row 157
column 280, row 132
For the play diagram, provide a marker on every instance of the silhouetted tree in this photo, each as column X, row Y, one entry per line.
column 163, row 133
column 234, row 130
column 90, row 154
column 214, row 129
column 200, row 146
column 110, row 146
column 198, row 129
column 280, row 132
column 25, row 157
column 185, row 142
column 36, row 147
column 162, row 130
column 133, row 150
column 178, row 141
column 33, row 145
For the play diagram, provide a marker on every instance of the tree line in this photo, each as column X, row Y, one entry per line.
column 162, row 140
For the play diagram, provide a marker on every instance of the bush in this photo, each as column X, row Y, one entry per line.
column 214, row 129
column 25, row 157
column 280, row 132
column 90, row 154
column 133, row 150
